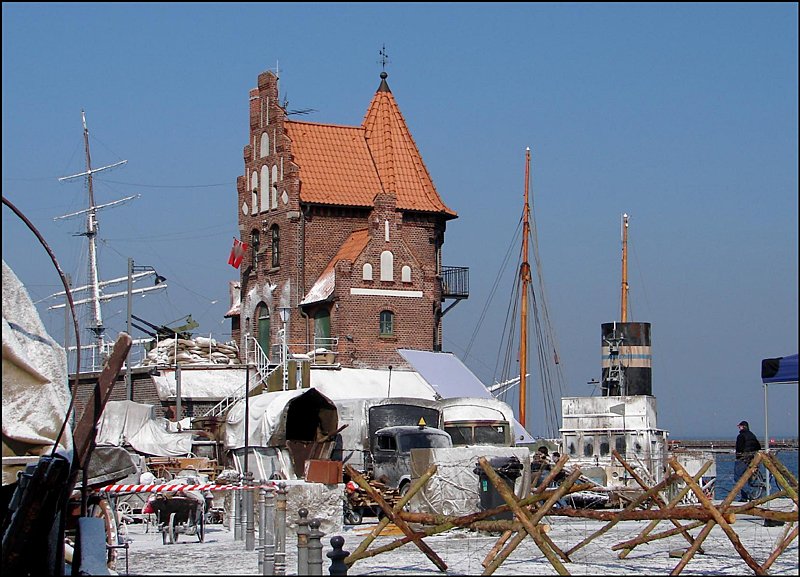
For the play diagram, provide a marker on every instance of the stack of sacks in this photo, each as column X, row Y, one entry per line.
column 199, row 351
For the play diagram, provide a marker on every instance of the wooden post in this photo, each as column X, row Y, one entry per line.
column 734, row 538
column 677, row 499
column 391, row 514
column 530, row 522
column 630, row 507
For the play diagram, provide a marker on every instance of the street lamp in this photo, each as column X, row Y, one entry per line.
column 285, row 312
column 143, row 270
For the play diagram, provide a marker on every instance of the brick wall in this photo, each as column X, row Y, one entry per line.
column 310, row 236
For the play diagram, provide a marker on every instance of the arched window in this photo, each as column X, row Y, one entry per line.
column 254, row 188
column 367, row 272
column 274, row 186
column 265, row 188
column 387, row 323
column 255, row 242
column 264, row 339
column 405, row 274
column 387, row 266
column 276, row 246
column 264, row 149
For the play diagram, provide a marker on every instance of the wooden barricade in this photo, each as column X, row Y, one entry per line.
column 650, row 505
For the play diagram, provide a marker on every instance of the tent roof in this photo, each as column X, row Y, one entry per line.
column 779, row 370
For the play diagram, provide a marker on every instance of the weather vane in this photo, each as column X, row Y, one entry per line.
column 384, row 57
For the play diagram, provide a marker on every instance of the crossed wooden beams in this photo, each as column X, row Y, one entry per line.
column 529, row 512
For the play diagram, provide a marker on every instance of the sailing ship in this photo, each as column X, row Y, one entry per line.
column 624, row 418
column 93, row 355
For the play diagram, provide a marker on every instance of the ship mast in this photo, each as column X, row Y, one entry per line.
column 624, row 298
column 525, row 276
column 91, row 233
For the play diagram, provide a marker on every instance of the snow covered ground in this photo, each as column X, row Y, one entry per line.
column 463, row 551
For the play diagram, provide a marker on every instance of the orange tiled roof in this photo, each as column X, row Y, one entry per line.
column 324, row 285
column 335, row 164
column 396, row 156
column 347, row 165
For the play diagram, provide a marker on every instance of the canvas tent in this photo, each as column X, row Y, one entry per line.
column 780, row 370
column 776, row 371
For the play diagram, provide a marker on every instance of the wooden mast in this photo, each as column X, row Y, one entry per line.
column 624, row 299
column 91, row 234
column 525, row 276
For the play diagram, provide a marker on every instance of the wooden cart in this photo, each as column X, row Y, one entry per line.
column 179, row 514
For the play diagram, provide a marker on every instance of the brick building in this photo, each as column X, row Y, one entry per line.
column 345, row 229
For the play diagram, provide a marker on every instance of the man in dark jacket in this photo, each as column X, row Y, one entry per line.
column 747, row 446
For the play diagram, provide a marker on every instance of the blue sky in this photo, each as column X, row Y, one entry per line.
column 684, row 116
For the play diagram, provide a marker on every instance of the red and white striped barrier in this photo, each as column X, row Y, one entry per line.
column 172, row 487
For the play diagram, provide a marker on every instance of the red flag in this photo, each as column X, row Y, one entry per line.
column 237, row 253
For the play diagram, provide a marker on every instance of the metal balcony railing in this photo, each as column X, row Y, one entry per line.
column 455, row 282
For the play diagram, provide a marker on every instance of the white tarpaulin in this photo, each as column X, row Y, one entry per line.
column 348, row 383
column 35, row 393
column 207, row 384
column 136, row 423
column 264, row 411
column 455, row 489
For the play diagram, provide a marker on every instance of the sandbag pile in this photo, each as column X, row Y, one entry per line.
column 198, row 351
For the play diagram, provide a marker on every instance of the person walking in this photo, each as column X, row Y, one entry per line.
column 747, row 446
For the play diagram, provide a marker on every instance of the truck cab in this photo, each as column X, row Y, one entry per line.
column 391, row 452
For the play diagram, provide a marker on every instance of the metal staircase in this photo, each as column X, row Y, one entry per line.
column 254, row 358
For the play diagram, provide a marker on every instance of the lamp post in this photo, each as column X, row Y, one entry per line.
column 284, row 312
column 145, row 270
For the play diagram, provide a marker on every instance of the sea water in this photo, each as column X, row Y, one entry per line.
column 726, row 480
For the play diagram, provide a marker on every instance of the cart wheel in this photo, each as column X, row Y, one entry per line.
column 201, row 526
column 124, row 508
column 352, row 517
column 172, row 528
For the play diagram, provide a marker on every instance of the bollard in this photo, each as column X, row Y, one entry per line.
column 250, row 529
column 315, row 548
column 269, row 534
column 280, row 530
column 262, row 495
column 337, row 556
column 302, row 542
column 237, row 515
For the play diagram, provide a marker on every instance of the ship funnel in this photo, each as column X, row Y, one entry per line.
column 626, row 359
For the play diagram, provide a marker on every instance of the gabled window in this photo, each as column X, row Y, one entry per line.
column 367, row 272
column 387, row 266
column 387, row 323
column 276, row 246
